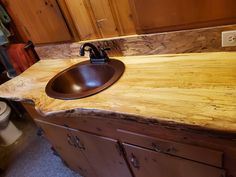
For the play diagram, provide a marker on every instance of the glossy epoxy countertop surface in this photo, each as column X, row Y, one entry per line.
column 190, row 89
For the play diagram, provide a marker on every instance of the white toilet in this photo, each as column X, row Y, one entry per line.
column 8, row 131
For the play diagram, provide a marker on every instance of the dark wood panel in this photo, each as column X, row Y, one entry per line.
column 159, row 15
column 104, row 155
column 153, row 164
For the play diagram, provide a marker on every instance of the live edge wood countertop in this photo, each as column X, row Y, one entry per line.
column 197, row 90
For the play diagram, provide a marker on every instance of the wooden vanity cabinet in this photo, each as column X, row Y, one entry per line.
column 88, row 154
column 97, row 156
column 122, row 148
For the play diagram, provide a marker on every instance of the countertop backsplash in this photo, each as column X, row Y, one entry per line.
column 185, row 41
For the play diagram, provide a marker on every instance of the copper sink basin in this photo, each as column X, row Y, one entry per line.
column 84, row 79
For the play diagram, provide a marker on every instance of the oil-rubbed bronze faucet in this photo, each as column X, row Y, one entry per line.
column 96, row 55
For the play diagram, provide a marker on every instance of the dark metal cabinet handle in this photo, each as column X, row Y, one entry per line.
column 80, row 145
column 134, row 161
column 75, row 141
column 70, row 140
column 156, row 148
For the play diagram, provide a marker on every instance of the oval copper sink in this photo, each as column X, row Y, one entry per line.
column 84, row 79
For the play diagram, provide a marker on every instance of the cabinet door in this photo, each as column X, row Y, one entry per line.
column 104, row 17
column 61, row 139
column 124, row 16
column 40, row 20
column 149, row 163
column 168, row 15
column 104, row 155
column 82, row 19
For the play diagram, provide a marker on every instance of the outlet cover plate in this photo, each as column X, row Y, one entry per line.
column 228, row 38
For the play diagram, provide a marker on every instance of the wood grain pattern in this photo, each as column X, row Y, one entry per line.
column 188, row 41
column 41, row 21
column 189, row 89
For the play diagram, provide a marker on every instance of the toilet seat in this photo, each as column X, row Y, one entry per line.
column 9, row 133
column 3, row 107
column 5, row 111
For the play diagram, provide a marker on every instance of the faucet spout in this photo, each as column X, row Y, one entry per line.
column 93, row 49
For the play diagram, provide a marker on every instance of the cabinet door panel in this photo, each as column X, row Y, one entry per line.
column 40, row 21
column 104, row 18
column 82, row 19
column 124, row 15
column 167, row 15
column 73, row 156
column 149, row 163
column 104, row 155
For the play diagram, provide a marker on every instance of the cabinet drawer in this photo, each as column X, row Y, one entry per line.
column 149, row 163
column 195, row 153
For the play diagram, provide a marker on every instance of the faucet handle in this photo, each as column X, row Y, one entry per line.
column 103, row 49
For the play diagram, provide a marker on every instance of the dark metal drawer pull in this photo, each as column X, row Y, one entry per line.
column 156, row 148
column 134, row 161
column 70, row 140
column 80, row 145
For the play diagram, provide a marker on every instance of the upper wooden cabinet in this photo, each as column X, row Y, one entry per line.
column 40, row 20
column 167, row 15
column 101, row 19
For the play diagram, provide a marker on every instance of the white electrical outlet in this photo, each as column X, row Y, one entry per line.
column 228, row 38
